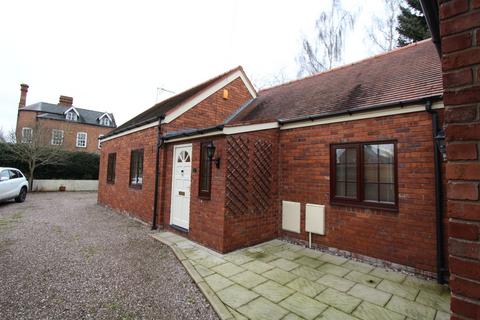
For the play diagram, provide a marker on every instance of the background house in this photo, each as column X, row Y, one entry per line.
column 229, row 167
column 62, row 124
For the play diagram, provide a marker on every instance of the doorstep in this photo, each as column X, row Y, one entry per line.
column 279, row 280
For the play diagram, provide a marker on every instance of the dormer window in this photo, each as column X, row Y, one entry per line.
column 71, row 116
column 105, row 121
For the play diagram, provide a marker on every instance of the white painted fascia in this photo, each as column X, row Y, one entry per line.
column 208, row 134
column 189, row 104
column 74, row 110
column 250, row 128
column 362, row 115
column 107, row 115
column 124, row 133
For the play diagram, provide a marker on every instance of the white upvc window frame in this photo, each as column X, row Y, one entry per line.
column 100, row 141
column 25, row 138
column 84, row 140
column 71, row 116
column 105, row 121
column 54, row 141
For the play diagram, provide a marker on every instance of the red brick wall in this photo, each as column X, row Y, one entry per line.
column 247, row 228
column 406, row 237
column 460, row 32
column 214, row 109
column 120, row 195
column 28, row 119
column 206, row 216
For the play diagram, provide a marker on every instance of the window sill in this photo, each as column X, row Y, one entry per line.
column 204, row 197
column 178, row 228
column 393, row 209
column 110, row 182
column 136, row 186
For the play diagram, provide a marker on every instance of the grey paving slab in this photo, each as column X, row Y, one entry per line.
column 370, row 311
column 248, row 279
column 257, row 266
column 411, row 309
column 398, row 289
column 311, row 253
column 288, row 254
column 309, row 262
column 237, row 258
column 236, row 296
column 217, row 282
column 279, row 275
column 358, row 266
column 292, row 247
column 363, row 278
column 273, row 291
column 236, row 315
column 388, row 274
column 263, row 309
column 204, row 272
column 303, row 306
column 292, row 316
column 442, row 315
column 338, row 283
column 210, row 261
column 334, row 314
column 308, row 273
column 426, row 285
column 370, row 294
column 307, row 287
column 334, row 269
column 228, row 269
column 284, row 264
column 339, row 300
column 434, row 300
column 333, row 259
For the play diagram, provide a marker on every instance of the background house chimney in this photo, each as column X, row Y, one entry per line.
column 23, row 95
column 65, row 101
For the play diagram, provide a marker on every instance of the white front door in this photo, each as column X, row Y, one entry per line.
column 181, row 180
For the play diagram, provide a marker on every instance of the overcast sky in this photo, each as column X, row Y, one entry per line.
column 112, row 55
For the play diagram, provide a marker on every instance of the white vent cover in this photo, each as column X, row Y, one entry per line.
column 315, row 218
column 291, row 216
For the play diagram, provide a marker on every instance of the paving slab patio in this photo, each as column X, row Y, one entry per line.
column 280, row 280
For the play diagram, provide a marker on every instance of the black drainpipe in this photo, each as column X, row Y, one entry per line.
column 438, row 137
column 157, row 163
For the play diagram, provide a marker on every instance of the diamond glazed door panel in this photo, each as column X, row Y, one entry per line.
column 182, row 172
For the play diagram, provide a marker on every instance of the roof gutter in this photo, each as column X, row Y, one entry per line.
column 358, row 110
column 430, row 11
column 194, row 132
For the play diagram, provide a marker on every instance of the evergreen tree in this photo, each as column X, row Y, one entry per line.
column 412, row 25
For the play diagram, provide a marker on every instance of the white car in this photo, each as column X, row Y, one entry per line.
column 13, row 185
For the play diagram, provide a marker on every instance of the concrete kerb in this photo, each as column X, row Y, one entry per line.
column 212, row 298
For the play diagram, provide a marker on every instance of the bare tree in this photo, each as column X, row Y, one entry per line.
column 36, row 150
column 383, row 31
column 271, row 80
column 327, row 48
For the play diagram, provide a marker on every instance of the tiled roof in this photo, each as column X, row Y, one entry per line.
column 163, row 107
column 408, row 73
column 56, row 112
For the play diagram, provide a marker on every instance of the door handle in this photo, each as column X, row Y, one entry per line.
column 181, row 193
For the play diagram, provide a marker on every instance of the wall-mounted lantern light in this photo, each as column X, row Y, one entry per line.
column 211, row 153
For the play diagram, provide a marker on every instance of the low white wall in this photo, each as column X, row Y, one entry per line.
column 70, row 185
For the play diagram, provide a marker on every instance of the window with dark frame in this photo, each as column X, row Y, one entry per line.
column 136, row 168
column 205, row 179
column 112, row 159
column 364, row 174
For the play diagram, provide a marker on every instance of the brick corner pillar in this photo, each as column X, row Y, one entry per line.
column 460, row 34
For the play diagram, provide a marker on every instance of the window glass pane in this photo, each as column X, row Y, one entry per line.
column 340, row 155
column 387, row 193
column 340, row 189
column 370, row 173
column 385, row 153
column 370, row 153
column 352, row 155
column 351, row 191
column 351, row 173
column 371, row 192
column 387, row 173
column 340, row 172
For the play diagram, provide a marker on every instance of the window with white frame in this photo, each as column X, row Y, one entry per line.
column 99, row 141
column 72, row 116
column 81, row 139
column 57, row 137
column 105, row 121
column 27, row 135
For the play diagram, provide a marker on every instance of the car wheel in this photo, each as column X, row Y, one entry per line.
column 22, row 195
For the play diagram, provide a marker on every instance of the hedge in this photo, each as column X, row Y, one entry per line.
column 78, row 166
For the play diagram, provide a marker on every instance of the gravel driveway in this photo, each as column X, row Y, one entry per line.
column 64, row 257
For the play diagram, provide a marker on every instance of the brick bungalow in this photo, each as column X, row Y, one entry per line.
column 346, row 154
